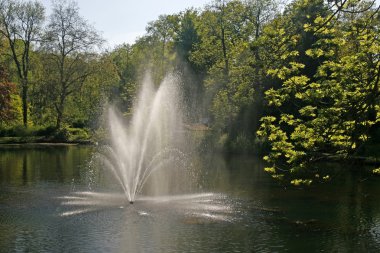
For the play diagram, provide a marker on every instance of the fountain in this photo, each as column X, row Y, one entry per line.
column 149, row 142
column 146, row 157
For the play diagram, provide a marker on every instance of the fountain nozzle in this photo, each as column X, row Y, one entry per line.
column 131, row 202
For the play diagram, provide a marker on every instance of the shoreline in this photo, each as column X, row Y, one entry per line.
column 18, row 141
column 30, row 141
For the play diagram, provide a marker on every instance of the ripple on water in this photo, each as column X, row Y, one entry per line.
column 207, row 206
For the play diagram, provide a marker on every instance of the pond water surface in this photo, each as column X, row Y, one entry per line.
column 236, row 208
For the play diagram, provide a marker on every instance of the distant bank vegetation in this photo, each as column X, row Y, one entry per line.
column 298, row 83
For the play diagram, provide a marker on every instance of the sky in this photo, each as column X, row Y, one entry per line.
column 122, row 21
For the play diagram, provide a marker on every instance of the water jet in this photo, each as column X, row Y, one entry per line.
column 146, row 149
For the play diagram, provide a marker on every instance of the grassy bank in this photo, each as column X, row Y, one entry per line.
column 38, row 134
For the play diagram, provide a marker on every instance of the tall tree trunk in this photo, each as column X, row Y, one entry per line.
column 225, row 56
column 60, row 109
column 24, row 98
column 59, row 120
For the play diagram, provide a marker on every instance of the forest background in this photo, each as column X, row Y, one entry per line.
column 297, row 83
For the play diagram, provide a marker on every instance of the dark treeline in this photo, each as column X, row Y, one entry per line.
column 299, row 81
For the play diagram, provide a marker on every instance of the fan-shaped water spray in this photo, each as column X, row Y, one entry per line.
column 150, row 141
column 145, row 157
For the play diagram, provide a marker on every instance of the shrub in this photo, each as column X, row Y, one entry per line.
column 78, row 134
column 68, row 134
column 241, row 144
column 45, row 131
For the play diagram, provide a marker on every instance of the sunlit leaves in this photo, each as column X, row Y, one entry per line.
column 328, row 112
column 298, row 182
column 10, row 103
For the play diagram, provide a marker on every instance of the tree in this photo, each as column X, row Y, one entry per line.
column 8, row 99
column 331, row 110
column 161, row 34
column 216, row 38
column 192, row 75
column 220, row 29
column 228, row 31
column 21, row 23
column 126, row 66
column 247, row 74
column 86, row 106
column 69, row 44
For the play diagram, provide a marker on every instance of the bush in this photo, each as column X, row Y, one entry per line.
column 21, row 131
column 78, row 134
column 4, row 132
column 241, row 144
column 79, row 123
column 15, row 131
column 68, row 134
column 46, row 131
column 61, row 135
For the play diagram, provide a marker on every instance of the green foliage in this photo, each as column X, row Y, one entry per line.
column 69, row 45
column 10, row 104
column 20, row 25
column 68, row 134
column 301, row 84
column 75, row 134
column 242, row 144
column 328, row 112
column 228, row 33
column 21, row 131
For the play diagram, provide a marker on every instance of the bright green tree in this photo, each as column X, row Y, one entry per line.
column 70, row 43
column 10, row 101
column 330, row 111
column 21, row 24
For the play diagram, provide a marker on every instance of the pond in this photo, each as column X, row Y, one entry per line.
column 236, row 208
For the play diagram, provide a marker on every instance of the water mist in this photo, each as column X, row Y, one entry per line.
column 145, row 157
column 149, row 146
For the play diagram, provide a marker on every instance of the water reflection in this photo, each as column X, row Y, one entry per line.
column 30, row 164
column 206, row 206
column 25, row 169
column 46, row 205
